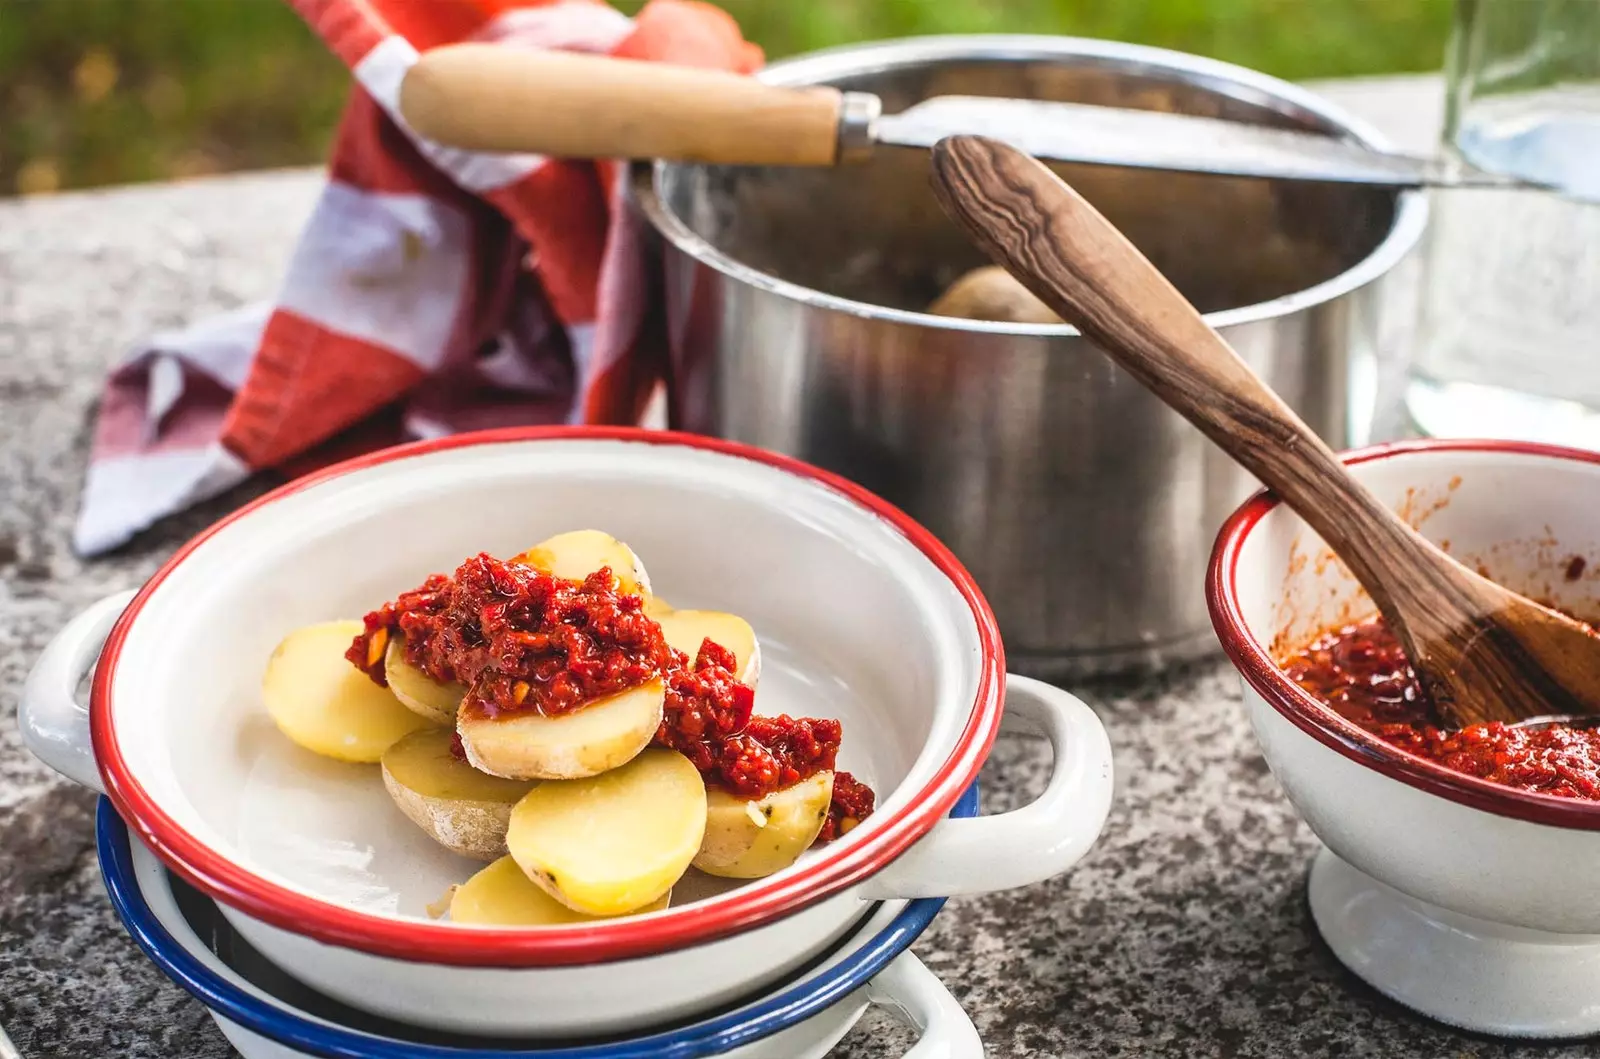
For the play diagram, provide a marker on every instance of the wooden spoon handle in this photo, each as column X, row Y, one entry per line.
column 1074, row 259
column 496, row 97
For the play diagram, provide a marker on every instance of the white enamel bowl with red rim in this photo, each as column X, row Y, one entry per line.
column 862, row 615
column 1468, row 901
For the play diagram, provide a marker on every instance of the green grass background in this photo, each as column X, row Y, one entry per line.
column 108, row 91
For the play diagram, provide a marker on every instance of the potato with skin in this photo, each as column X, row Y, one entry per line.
column 501, row 895
column 752, row 838
column 464, row 810
column 323, row 703
column 616, row 842
column 590, row 740
column 992, row 293
column 599, row 735
column 685, row 630
column 417, row 691
column 574, row 556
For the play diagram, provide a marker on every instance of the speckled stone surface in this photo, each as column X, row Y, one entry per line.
column 1185, row 932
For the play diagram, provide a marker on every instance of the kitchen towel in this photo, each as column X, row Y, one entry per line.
column 432, row 291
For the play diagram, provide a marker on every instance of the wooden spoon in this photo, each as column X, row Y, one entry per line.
column 1482, row 652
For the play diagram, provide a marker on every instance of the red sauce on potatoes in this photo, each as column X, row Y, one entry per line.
column 708, row 719
column 777, row 752
column 1361, row 672
column 852, row 803
column 522, row 640
column 706, row 706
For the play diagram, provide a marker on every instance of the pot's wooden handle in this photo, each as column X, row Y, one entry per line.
column 497, row 97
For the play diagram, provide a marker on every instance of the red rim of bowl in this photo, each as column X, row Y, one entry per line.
column 1322, row 724
column 418, row 940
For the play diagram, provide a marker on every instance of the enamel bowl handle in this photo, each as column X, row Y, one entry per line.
column 916, row 997
column 1027, row 845
column 54, row 725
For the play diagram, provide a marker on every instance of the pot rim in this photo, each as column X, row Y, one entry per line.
column 1261, row 673
column 786, row 1005
column 1411, row 207
column 758, row 903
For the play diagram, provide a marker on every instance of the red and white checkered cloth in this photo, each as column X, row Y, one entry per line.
column 433, row 290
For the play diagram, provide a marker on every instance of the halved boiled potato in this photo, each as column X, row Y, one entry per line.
column 752, row 838
column 530, row 746
column 616, row 842
column 686, row 629
column 327, row 705
column 574, row 556
column 502, row 895
column 462, row 809
column 417, row 691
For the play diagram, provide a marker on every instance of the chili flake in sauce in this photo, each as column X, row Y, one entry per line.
column 1361, row 672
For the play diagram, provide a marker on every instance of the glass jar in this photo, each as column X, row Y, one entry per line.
column 1508, row 342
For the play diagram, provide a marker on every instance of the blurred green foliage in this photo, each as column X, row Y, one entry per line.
column 107, row 91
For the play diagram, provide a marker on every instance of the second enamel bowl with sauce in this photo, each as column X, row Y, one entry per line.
column 1466, row 900
column 863, row 616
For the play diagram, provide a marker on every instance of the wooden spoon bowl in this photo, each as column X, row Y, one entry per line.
column 1483, row 652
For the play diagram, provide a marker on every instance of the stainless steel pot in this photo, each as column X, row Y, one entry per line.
column 1083, row 506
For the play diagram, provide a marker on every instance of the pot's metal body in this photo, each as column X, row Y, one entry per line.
column 1084, row 507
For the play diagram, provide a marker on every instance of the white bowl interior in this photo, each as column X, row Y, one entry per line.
column 1519, row 518
column 854, row 621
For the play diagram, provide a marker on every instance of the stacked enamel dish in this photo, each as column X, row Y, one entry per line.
column 268, row 1014
column 307, row 863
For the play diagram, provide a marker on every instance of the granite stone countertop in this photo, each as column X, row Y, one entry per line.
column 1185, row 933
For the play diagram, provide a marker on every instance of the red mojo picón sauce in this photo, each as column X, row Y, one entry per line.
column 706, row 706
column 522, row 640
column 852, row 803
column 519, row 638
column 1361, row 672
column 709, row 720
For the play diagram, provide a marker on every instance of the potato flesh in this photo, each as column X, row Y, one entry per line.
column 501, row 895
column 422, row 762
column 323, row 703
column 574, row 556
column 685, row 630
column 462, row 809
column 752, row 838
column 616, row 842
column 585, row 742
column 417, row 691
